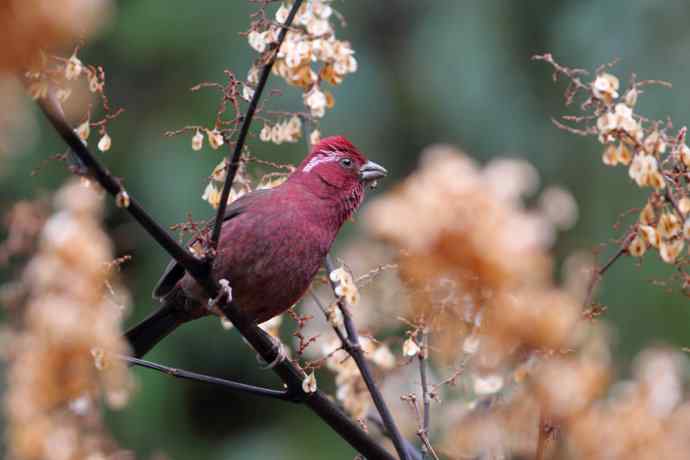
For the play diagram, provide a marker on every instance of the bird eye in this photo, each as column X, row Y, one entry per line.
column 346, row 162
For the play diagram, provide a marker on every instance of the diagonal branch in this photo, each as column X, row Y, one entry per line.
column 233, row 161
column 354, row 348
column 291, row 374
column 53, row 111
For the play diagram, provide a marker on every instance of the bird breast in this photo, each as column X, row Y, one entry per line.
column 270, row 259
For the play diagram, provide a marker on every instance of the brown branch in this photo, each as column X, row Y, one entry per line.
column 234, row 160
column 354, row 348
column 423, row 433
column 283, row 395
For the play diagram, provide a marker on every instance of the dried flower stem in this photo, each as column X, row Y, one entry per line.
column 234, row 159
column 264, row 345
column 354, row 348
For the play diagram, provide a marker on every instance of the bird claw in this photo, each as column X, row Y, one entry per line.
column 225, row 291
column 281, row 355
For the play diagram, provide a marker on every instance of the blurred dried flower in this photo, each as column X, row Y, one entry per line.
column 476, row 260
column 309, row 383
column 32, row 26
column 53, row 382
column 105, row 143
column 197, row 140
column 215, row 138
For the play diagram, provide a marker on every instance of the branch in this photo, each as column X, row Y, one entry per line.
column 284, row 395
column 411, row 449
column 233, row 161
column 354, row 348
column 53, row 111
column 599, row 272
column 423, row 355
column 291, row 374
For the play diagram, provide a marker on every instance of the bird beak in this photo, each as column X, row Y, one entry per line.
column 371, row 172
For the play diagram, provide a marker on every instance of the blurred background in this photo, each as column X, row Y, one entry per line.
column 451, row 71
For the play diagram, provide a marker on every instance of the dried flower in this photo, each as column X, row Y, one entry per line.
column 487, row 385
column 83, row 131
column 257, row 40
column 637, row 246
column 383, row 357
column 95, row 85
column 669, row 250
column 60, row 364
column 122, row 199
column 211, row 195
column 309, row 383
column 605, row 87
column 684, row 205
column 104, row 143
column 247, row 93
column 315, row 137
column 197, row 140
column 345, row 285
column 559, row 207
column 650, row 235
column 668, row 226
column 73, row 68
column 631, row 97
column 265, row 134
column 410, row 347
column 215, row 138
column 315, row 100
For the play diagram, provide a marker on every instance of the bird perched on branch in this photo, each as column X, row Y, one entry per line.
column 272, row 242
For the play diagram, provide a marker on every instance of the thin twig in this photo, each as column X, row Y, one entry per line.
column 412, row 451
column 233, row 160
column 283, row 395
column 423, row 355
column 599, row 272
column 355, row 350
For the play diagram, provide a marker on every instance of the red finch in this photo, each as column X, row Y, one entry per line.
column 272, row 242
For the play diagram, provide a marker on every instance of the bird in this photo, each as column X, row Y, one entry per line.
column 272, row 242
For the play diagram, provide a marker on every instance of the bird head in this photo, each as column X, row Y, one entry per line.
column 335, row 169
column 337, row 162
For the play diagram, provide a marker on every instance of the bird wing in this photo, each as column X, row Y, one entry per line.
column 174, row 272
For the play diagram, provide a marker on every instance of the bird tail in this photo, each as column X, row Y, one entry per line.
column 145, row 335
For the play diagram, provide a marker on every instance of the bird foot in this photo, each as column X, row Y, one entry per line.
column 224, row 293
column 281, row 355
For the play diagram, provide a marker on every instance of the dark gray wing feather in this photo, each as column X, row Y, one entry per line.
column 174, row 272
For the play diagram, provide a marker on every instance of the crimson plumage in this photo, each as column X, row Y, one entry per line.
column 272, row 242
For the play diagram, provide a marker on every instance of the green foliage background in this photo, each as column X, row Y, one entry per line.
column 453, row 71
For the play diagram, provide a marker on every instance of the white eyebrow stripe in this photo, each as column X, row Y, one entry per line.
column 330, row 155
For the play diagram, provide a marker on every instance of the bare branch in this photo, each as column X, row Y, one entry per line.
column 283, row 395
column 423, row 433
column 234, row 160
column 354, row 348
